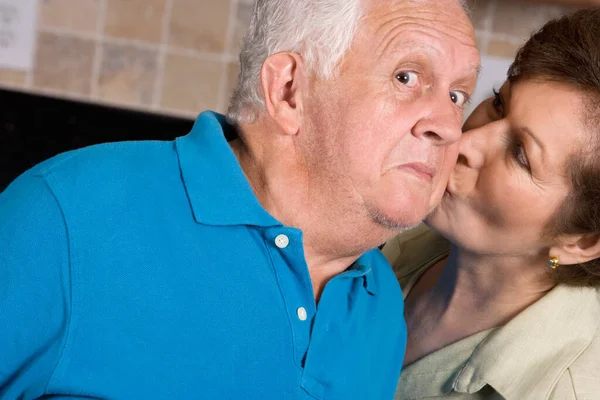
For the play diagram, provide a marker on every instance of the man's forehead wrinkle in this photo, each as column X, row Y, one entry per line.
column 426, row 22
column 434, row 14
column 418, row 4
column 393, row 38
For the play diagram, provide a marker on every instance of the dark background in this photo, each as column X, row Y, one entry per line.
column 34, row 128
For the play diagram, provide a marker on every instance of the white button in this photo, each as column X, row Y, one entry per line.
column 301, row 311
column 282, row 241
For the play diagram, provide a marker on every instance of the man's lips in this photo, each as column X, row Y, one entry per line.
column 419, row 170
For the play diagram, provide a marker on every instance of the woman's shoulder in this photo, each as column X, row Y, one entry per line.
column 580, row 381
column 410, row 253
column 583, row 376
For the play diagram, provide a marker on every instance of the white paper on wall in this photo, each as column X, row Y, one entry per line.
column 493, row 75
column 17, row 33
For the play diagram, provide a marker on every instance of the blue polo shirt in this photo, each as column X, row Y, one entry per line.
column 149, row 270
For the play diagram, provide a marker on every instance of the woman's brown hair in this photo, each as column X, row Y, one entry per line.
column 567, row 50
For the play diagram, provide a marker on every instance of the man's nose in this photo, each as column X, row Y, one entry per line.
column 440, row 121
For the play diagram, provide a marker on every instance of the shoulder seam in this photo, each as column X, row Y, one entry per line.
column 70, row 277
column 47, row 170
column 572, row 383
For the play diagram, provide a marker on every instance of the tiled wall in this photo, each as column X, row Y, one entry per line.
column 180, row 56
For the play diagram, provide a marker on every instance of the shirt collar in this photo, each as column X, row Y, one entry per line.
column 521, row 360
column 543, row 340
column 220, row 194
column 217, row 189
column 363, row 267
column 435, row 375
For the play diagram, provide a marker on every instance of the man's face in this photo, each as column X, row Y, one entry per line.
column 384, row 134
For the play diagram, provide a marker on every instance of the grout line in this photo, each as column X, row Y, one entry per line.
column 162, row 56
column 223, row 95
column 29, row 79
column 71, row 32
column 36, row 24
column 64, row 95
column 99, row 51
column 485, row 37
column 17, row 87
column 207, row 56
column 487, row 26
column 507, row 38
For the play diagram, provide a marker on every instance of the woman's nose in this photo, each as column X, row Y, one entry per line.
column 477, row 145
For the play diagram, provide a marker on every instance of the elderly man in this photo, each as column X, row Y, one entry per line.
column 203, row 268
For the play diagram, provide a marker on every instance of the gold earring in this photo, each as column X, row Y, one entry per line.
column 553, row 262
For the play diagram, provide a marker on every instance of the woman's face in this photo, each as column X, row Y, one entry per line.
column 512, row 174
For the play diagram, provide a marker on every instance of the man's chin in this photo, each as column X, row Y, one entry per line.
column 395, row 221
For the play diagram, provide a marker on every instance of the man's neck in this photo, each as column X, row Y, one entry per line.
column 282, row 185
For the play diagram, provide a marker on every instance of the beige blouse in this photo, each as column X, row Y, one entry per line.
column 549, row 351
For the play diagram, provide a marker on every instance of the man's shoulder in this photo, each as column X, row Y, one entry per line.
column 102, row 178
column 107, row 158
column 105, row 166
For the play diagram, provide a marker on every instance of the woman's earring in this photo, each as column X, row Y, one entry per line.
column 553, row 262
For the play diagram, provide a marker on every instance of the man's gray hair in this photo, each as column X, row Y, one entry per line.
column 321, row 31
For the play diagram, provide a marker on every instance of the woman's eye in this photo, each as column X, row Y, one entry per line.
column 498, row 103
column 408, row 78
column 520, row 155
column 458, row 98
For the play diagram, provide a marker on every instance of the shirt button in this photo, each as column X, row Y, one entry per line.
column 301, row 311
column 282, row 241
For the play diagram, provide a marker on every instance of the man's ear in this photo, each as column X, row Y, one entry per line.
column 283, row 79
column 577, row 249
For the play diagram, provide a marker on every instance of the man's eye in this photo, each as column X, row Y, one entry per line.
column 408, row 78
column 458, row 98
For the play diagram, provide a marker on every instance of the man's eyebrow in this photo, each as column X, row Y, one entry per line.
column 475, row 70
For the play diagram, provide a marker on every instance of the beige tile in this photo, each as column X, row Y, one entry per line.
column 12, row 76
column 127, row 74
column 135, row 19
column 502, row 48
column 64, row 63
column 77, row 15
column 480, row 10
column 520, row 19
column 191, row 84
column 242, row 20
column 199, row 24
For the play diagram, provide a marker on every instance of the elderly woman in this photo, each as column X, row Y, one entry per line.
column 502, row 287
